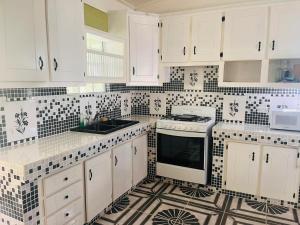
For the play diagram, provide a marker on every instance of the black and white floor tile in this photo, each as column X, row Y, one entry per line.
column 157, row 203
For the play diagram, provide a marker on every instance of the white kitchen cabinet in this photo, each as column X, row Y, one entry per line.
column 175, row 39
column 206, row 36
column 280, row 175
column 144, row 45
column 242, row 170
column 23, row 41
column 66, row 40
column 284, row 31
column 122, row 169
column 245, row 33
column 98, row 179
column 139, row 159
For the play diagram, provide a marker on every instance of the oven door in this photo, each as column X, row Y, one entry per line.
column 186, row 149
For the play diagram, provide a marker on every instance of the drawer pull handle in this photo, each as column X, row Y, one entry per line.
column 135, row 150
column 267, row 159
column 55, row 64
column 253, row 156
column 41, row 63
column 90, row 175
column 259, row 46
column 116, row 161
column 67, row 196
column 66, row 179
column 67, row 214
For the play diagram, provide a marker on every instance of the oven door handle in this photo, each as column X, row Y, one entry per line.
column 181, row 133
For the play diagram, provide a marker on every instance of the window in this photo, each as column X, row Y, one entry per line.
column 105, row 56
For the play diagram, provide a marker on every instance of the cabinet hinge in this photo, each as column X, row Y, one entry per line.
column 223, row 18
column 221, row 55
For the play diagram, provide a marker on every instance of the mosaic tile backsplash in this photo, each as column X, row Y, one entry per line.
column 58, row 111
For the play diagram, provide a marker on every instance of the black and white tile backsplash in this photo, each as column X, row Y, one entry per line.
column 58, row 111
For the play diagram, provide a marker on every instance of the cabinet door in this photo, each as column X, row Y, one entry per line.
column 140, row 153
column 206, row 36
column 245, row 33
column 98, row 179
column 23, row 41
column 66, row 40
column 280, row 175
column 242, row 167
column 144, row 37
column 122, row 169
column 175, row 38
column 284, row 31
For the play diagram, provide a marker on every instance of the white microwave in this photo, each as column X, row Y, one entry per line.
column 285, row 119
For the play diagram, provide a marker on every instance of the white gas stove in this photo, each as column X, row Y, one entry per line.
column 184, row 144
column 189, row 119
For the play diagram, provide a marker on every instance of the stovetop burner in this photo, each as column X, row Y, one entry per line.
column 188, row 118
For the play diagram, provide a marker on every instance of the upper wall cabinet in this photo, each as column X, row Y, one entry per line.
column 144, row 44
column 23, row 41
column 175, row 39
column 245, row 33
column 66, row 40
column 284, row 31
column 206, row 36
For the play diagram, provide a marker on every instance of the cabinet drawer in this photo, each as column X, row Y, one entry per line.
column 79, row 220
column 67, row 214
column 63, row 198
column 61, row 180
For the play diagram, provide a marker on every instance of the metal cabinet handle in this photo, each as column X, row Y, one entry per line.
column 66, row 179
column 67, row 196
column 259, row 46
column 273, row 45
column 133, row 70
column 135, row 150
column 41, row 63
column 55, row 64
column 253, row 156
column 116, row 161
column 184, row 48
column 90, row 175
column 67, row 214
column 267, row 158
column 195, row 50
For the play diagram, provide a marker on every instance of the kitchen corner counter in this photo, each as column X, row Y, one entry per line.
column 33, row 160
column 256, row 133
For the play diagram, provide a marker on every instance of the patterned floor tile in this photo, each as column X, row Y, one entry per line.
column 150, row 186
column 229, row 219
column 206, row 199
column 282, row 215
column 175, row 193
column 246, row 208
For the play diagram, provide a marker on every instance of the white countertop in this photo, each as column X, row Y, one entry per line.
column 252, row 128
column 42, row 149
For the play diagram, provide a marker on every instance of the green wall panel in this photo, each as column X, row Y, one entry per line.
column 95, row 18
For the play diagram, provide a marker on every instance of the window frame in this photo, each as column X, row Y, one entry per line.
column 113, row 37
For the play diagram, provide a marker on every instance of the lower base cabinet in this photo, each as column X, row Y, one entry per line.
column 262, row 170
column 139, row 159
column 279, row 173
column 122, row 169
column 98, row 184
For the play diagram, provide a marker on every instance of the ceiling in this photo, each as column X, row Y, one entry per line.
column 163, row 6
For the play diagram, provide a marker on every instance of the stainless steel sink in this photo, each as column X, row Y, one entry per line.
column 105, row 127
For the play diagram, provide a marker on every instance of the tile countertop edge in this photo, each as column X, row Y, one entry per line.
column 50, row 163
column 263, row 133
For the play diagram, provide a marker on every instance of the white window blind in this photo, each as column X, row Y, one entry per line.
column 105, row 57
